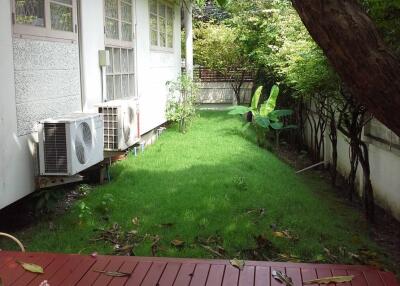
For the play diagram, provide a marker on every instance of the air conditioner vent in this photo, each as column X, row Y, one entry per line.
column 111, row 125
column 55, row 148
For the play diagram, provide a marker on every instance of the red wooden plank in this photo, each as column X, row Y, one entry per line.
column 295, row 274
column 341, row 272
column 373, row 278
column 231, row 276
column 322, row 273
column 389, row 279
column 169, row 275
column 127, row 267
column 246, row 276
column 67, row 270
column 72, row 269
column 309, row 274
column 14, row 270
column 8, row 259
column 200, row 275
column 185, row 274
column 154, row 274
column 275, row 282
column 215, row 275
column 44, row 261
column 90, row 276
column 139, row 273
column 103, row 279
column 359, row 279
column 51, row 270
column 263, row 276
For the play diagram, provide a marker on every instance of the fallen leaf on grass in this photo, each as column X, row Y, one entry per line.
column 282, row 277
column 177, row 243
column 216, row 252
column 31, row 267
column 154, row 245
column 284, row 234
column 135, row 221
column 289, row 257
column 113, row 273
column 327, row 280
column 239, row 264
column 166, row 225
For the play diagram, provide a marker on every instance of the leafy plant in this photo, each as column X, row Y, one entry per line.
column 46, row 201
column 240, row 183
column 84, row 212
column 105, row 205
column 181, row 105
column 265, row 117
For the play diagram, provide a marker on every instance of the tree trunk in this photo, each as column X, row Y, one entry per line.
column 351, row 42
column 333, row 139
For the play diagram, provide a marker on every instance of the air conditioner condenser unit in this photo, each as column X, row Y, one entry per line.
column 70, row 144
column 120, row 124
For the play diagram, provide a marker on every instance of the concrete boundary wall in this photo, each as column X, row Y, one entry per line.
column 222, row 92
column 384, row 159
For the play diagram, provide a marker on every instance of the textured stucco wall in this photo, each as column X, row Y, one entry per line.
column 47, row 81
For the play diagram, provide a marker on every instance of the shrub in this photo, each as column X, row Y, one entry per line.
column 181, row 105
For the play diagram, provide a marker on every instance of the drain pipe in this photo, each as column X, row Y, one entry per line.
column 80, row 48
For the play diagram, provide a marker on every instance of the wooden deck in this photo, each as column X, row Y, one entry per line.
column 63, row 269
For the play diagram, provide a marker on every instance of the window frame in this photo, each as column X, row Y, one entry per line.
column 120, row 43
column 158, row 47
column 131, row 72
column 46, row 32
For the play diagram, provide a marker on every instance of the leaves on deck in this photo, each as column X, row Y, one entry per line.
column 239, row 264
column 282, row 277
column 328, row 280
column 31, row 267
column 113, row 273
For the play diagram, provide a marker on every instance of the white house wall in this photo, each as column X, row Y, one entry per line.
column 154, row 69
column 16, row 152
column 92, row 41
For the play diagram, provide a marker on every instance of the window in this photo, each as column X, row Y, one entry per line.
column 118, row 22
column 45, row 18
column 161, row 24
column 120, row 73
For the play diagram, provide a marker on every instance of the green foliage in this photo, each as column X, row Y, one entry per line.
column 84, row 212
column 216, row 47
column 45, row 201
column 181, row 105
column 265, row 117
column 106, row 204
column 386, row 15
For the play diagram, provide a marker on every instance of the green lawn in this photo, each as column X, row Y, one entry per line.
column 214, row 186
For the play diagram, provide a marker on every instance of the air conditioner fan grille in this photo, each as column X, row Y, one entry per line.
column 55, row 148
